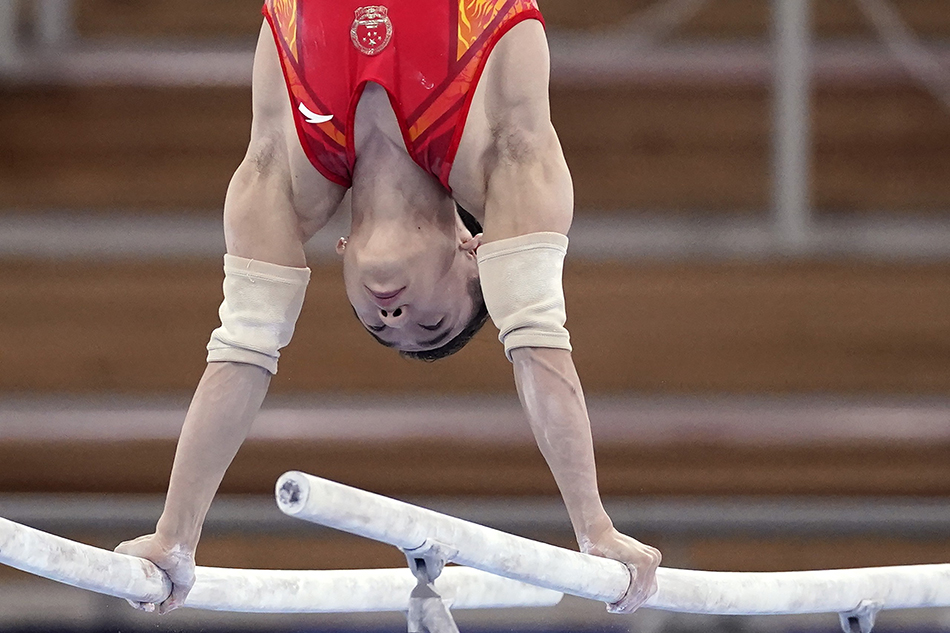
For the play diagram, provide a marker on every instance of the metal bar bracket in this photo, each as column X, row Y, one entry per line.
column 428, row 612
column 861, row 619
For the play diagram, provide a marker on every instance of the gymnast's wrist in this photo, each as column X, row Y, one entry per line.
column 176, row 535
column 591, row 531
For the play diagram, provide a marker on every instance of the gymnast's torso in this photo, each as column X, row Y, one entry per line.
column 427, row 56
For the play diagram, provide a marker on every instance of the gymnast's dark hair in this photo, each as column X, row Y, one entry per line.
column 475, row 323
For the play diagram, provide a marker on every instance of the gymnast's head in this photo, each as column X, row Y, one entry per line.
column 413, row 284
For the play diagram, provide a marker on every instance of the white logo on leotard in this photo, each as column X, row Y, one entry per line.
column 313, row 117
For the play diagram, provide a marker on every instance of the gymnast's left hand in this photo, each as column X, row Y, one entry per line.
column 176, row 561
column 642, row 560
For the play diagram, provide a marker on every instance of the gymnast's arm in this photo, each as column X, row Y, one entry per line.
column 551, row 395
column 529, row 190
column 273, row 205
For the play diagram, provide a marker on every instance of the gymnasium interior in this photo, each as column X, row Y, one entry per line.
column 757, row 288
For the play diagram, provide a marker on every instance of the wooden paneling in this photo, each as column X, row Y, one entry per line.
column 884, row 148
column 120, row 148
column 740, row 19
column 842, row 327
column 632, row 147
column 744, row 19
column 204, row 20
column 791, row 554
column 727, row 19
column 722, row 554
column 715, row 554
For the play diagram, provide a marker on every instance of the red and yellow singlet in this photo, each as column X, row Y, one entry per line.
column 427, row 54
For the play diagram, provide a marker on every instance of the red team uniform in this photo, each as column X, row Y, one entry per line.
column 427, row 54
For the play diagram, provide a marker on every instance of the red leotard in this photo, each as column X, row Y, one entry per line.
column 427, row 54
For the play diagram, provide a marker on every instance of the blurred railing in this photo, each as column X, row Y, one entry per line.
column 684, row 517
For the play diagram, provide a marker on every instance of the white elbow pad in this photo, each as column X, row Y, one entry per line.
column 261, row 304
column 523, row 290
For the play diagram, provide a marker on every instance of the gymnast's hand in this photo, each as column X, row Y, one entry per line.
column 641, row 559
column 177, row 562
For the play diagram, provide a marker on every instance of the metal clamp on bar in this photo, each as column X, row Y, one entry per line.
column 428, row 560
column 861, row 619
column 428, row 612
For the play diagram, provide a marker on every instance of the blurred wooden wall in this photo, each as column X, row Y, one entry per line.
column 849, row 328
column 844, row 327
column 721, row 19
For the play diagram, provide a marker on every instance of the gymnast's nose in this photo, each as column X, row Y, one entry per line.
column 394, row 317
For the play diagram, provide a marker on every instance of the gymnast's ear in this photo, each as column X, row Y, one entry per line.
column 341, row 246
column 471, row 244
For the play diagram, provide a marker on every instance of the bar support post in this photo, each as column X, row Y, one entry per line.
column 791, row 178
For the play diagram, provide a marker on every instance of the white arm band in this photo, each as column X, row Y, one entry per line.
column 523, row 291
column 261, row 304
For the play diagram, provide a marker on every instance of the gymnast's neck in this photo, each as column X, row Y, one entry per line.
column 388, row 185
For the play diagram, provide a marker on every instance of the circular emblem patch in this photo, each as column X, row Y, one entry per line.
column 371, row 30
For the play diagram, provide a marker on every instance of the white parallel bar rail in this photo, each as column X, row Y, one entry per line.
column 725, row 593
column 411, row 528
column 253, row 591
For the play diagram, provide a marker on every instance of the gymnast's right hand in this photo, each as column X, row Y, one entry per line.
column 642, row 560
column 175, row 560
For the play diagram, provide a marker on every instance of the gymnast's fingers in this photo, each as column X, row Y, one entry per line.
column 177, row 563
column 147, row 607
column 183, row 579
column 642, row 561
column 643, row 581
column 642, row 587
column 134, row 548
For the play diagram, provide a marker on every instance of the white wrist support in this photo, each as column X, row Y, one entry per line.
column 523, row 290
column 261, row 304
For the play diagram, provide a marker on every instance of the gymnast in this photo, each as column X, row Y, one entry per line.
column 420, row 109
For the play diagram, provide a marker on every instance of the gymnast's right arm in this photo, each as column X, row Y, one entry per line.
column 275, row 202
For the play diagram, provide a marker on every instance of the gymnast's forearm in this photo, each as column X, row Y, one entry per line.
column 551, row 394
column 221, row 413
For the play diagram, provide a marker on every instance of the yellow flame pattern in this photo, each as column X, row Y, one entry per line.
column 474, row 18
column 285, row 13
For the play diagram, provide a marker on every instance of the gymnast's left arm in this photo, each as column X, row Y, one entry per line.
column 550, row 392
column 521, row 284
column 528, row 211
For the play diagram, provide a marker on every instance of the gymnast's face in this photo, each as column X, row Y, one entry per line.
column 410, row 286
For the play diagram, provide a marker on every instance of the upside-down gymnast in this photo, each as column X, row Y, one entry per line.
column 418, row 107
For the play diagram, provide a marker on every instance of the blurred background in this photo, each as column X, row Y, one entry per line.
column 758, row 291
